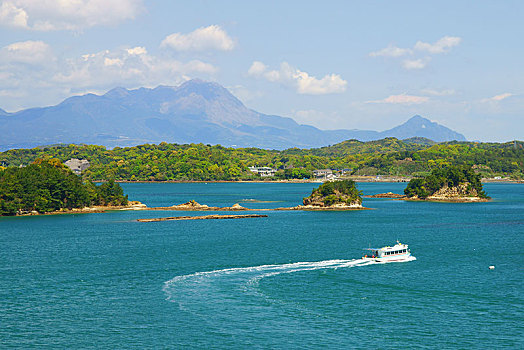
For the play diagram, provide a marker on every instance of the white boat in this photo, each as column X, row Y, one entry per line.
column 398, row 253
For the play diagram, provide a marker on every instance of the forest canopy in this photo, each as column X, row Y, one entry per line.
column 451, row 176
column 199, row 162
column 47, row 185
column 335, row 192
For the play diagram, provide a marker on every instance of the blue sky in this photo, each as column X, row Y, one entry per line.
column 331, row 64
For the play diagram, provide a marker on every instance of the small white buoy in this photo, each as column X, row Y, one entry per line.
column 492, row 267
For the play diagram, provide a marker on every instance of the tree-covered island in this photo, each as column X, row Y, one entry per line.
column 452, row 183
column 342, row 194
column 47, row 186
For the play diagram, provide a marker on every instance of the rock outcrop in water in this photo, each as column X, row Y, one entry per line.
column 193, row 205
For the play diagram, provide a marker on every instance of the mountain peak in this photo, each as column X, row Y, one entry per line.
column 117, row 92
column 199, row 85
column 422, row 127
column 207, row 89
column 417, row 117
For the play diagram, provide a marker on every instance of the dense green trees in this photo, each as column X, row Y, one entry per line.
column 450, row 176
column 173, row 162
column 47, row 185
column 333, row 192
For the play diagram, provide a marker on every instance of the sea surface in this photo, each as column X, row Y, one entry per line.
column 289, row 281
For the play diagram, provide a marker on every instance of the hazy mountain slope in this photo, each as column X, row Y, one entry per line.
column 193, row 112
column 422, row 127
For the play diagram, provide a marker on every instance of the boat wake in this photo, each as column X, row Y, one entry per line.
column 182, row 289
column 218, row 297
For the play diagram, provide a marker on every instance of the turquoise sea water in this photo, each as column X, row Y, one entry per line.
column 285, row 281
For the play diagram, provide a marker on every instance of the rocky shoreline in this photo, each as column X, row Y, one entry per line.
column 195, row 206
column 448, row 199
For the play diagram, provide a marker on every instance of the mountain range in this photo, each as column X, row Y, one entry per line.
column 194, row 112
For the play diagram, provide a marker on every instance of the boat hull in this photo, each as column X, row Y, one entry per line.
column 388, row 260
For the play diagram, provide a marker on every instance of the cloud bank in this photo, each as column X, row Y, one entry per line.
column 47, row 15
column 31, row 66
column 301, row 81
column 443, row 45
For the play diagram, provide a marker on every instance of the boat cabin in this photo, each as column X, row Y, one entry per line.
column 398, row 250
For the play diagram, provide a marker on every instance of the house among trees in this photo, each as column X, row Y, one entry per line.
column 77, row 165
column 263, row 171
column 324, row 174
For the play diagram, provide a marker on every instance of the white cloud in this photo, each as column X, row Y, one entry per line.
column 415, row 64
column 257, row 68
column 391, row 51
column 48, row 15
column 432, row 92
column 299, row 80
column 129, row 67
column 30, row 73
column 139, row 50
column 201, row 39
column 442, row 45
column 502, row 96
column 498, row 98
column 12, row 16
column 32, row 52
column 113, row 62
column 402, row 99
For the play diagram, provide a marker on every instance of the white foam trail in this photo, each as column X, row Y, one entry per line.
column 250, row 276
column 218, row 297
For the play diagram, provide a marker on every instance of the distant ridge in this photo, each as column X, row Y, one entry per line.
column 194, row 112
column 417, row 126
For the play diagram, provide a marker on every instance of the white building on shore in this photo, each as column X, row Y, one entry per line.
column 77, row 165
column 263, row 171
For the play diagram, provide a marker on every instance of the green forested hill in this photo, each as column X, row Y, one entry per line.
column 389, row 156
column 47, row 186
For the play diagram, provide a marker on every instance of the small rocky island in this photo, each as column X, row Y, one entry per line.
column 337, row 195
column 448, row 184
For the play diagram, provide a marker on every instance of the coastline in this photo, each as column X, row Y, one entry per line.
column 138, row 206
column 385, row 179
column 134, row 205
column 448, row 200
